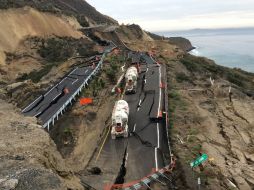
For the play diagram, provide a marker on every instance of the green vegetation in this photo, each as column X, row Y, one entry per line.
column 56, row 49
column 115, row 62
column 67, row 130
column 175, row 101
column 35, row 75
column 82, row 20
column 182, row 77
column 86, row 51
column 207, row 68
column 96, row 86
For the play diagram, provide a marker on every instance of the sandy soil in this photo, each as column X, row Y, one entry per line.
column 28, row 154
column 34, row 23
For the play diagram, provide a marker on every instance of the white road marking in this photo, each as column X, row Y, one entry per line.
column 126, row 158
column 158, row 135
column 156, row 159
column 145, row 81
column 37, row 114
column 62, row 80
column 134, row 129
column 59, row 82
column 72, row 71
column 139, row 102
column 54, row 87
column 31, row 103
column 75, row 81
column 50, row 90
column 56, row 96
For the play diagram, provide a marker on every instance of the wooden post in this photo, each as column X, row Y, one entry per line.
column 230, row 94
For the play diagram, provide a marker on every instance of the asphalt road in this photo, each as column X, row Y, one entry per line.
column 45, row 106
column 49, row 103
column 148, row 140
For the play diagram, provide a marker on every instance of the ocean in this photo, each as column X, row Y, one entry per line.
column 232, row 48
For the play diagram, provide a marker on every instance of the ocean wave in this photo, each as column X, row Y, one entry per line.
column 195, row 52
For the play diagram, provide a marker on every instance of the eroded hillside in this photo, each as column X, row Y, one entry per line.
column 47, row 44
column 204, row 120
column 28, row 156
column 17, row 24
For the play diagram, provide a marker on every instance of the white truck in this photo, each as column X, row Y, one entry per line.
column 120, row 116
column 131, row 77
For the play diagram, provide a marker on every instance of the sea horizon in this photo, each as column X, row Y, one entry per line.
column 230, row 47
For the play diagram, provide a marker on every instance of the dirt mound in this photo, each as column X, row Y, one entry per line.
column 29, row 155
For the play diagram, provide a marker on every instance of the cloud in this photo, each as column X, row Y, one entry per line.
column 214, row 20
column 157, row 15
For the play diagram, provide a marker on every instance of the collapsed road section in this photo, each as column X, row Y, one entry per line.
column 53, row 103
column 146, row 150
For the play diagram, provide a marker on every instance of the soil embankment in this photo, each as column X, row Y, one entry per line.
column 28, row 157
column 204, row 120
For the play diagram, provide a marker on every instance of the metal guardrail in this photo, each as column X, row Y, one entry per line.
column 69, row 101
column 77, row 92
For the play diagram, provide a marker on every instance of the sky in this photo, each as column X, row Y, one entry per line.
column 169, row 15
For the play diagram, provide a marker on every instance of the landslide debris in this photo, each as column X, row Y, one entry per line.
column 28, row 157
column 203, row 120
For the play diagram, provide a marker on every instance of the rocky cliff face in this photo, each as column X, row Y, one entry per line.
column 183, row 43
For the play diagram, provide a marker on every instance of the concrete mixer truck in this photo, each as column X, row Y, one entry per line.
column 131, row 77
column 120, row 116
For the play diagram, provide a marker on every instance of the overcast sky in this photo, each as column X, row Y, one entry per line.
column 164, row 15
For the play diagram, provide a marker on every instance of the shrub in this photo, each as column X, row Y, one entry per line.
column 111, row 74
column 56, row 49
column 82, row 20
column 35, row 75
column 190, row 65
column 235, row 78
column 181, row 77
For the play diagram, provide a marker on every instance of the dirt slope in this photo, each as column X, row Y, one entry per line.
column 17, row 24
column 28, row 157
column 203, row 120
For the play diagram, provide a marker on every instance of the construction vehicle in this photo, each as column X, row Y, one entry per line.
column 120, row 116
column 131, row 77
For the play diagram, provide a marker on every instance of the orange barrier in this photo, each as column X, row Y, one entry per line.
column 162, row 85
column 85, row 101
column 168, row 169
